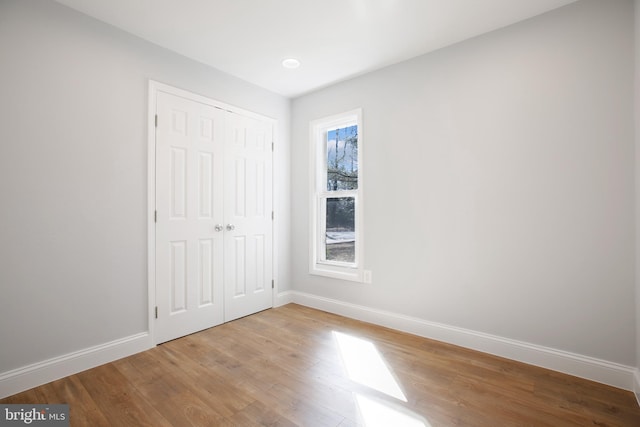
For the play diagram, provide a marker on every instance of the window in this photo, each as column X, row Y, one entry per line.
column 336, row 189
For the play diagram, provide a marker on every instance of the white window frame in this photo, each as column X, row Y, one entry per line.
column 318, row 182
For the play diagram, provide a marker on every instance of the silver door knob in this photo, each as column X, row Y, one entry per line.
column 218, row 227
column 231, row 227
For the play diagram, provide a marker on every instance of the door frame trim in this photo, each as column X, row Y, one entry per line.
column 154, row 88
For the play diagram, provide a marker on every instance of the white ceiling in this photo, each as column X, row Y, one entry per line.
column 333, row 39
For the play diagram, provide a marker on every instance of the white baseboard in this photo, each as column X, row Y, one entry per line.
column 26, row 377
column 283, row 298
column 636, row 385
column 590, row 368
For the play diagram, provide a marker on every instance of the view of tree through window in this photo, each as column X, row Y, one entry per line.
column 342, row 159
column 342, row 175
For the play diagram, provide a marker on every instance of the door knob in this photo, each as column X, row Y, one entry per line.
column 218, row 227
column 231, row 227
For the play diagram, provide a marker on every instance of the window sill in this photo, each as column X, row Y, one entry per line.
column 337, row 272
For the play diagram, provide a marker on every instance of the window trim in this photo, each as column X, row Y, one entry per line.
column 318, row 195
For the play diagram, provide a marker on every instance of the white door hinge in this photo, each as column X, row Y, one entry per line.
column 156, row 311
column 156, row 122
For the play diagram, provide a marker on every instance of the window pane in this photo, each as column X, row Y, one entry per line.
column 342, row 159
column 340, row 239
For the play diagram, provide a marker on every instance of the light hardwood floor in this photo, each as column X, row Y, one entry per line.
column 293, row 366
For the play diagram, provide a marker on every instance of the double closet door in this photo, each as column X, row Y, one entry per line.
column 214, row 228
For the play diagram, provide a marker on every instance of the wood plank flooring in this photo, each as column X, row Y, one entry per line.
column 288, row 367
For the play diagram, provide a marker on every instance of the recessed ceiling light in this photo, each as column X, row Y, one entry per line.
column 291, row 63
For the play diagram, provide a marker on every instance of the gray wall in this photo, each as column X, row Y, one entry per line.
column 499, row 178
column 73, row 176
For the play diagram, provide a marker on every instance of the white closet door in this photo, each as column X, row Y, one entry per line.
column 189, row 200
column 248, row 216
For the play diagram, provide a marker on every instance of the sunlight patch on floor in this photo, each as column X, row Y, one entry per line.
column 365, row 365
column 381, row 414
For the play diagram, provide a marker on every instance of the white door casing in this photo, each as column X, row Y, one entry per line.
column 213, row 242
